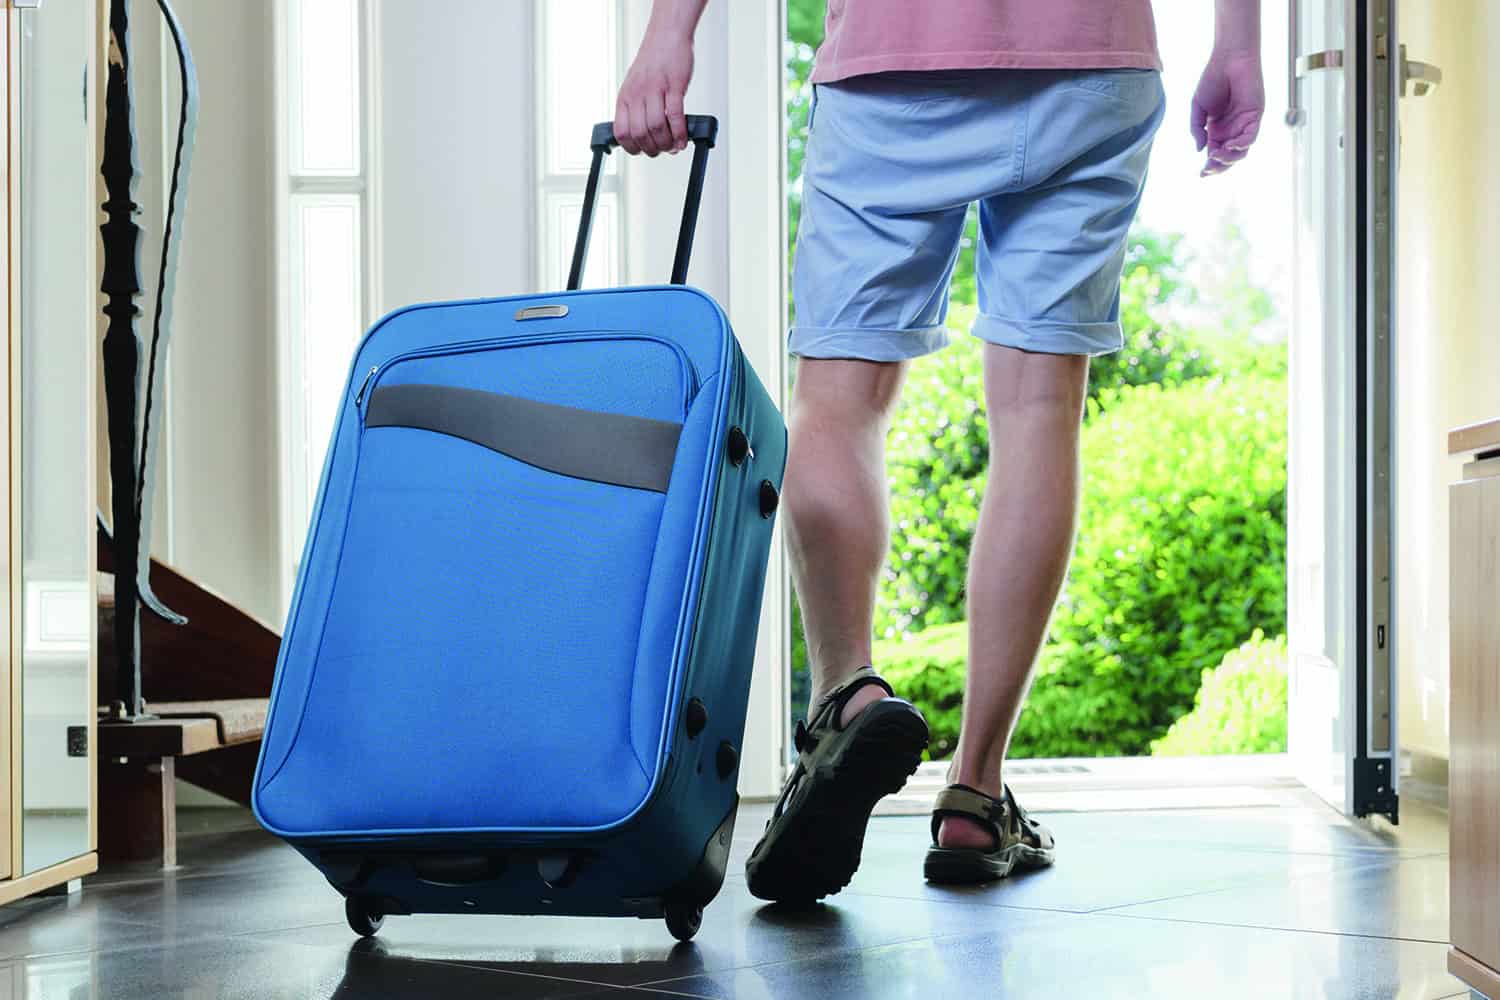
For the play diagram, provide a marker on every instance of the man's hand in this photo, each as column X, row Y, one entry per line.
column 1227, row 108
column 648, row 113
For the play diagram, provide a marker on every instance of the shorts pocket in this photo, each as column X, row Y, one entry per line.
column 1127, row 85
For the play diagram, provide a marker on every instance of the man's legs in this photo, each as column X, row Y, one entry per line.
column 1019, row 556
column 836, row 510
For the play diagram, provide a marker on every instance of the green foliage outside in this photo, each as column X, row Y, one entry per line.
column 928, row 670
column 1180, row 552
column 1241, row 707
column 1179, row 556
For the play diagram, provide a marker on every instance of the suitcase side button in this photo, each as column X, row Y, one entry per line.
column 739, row 446
column 768, row 498
column 697, row 718
column 726, row 760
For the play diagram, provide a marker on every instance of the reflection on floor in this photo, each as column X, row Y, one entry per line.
column 1279, row 901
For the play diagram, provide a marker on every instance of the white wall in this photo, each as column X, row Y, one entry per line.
column 455, row 150
column 1448, row 352
column 223, row 479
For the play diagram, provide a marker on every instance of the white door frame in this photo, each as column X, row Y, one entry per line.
column 754, row 155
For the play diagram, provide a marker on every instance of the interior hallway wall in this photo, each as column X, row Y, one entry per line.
column 218, row 476
column 1448, row 360
column 454, row 161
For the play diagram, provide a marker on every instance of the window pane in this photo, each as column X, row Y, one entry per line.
column 579, row 78
column 325, row 86
column 326, row 312
column 602, row 268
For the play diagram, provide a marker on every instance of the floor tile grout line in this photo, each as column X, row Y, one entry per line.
column 1232, row 887
column 1267, row 927
column 134, row 882
column 805, row 958
column 640, row 987
column 283, row 930
column 959, row 902
column 147, row 944
column 1239, row 883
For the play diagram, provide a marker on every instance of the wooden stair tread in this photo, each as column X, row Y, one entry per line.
column 186, row 728
column 240, row 720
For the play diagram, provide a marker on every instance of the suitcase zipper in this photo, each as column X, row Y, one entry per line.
column 372, row 377
column 359, row 396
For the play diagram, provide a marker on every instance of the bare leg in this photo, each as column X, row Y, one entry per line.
column 837, row 512
column 1022, row 545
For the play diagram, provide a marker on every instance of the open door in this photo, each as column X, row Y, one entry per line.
column 1346, row 72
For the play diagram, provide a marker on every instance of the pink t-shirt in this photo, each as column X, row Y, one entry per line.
column 872, row 36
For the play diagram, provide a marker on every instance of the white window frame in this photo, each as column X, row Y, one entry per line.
column 555, row 242
column 755, row 128
column 297, row 482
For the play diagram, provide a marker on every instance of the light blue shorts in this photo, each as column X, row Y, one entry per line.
column 1056, row 160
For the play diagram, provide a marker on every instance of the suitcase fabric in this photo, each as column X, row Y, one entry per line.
column 517, row 660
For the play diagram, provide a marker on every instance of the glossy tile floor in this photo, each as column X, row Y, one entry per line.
column 1285, row 901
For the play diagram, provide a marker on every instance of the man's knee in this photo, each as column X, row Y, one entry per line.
column 847, row 392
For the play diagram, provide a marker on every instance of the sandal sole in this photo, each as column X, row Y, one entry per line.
column 961, row 866
column 814, row 848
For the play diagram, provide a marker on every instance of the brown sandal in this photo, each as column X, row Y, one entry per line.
column 812, row 843
column 1019, row 839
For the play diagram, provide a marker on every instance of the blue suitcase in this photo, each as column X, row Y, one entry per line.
column 517, row 659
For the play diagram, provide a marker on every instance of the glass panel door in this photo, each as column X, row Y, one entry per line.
column 9, row 712
column 57, row 229
column 1342, row 725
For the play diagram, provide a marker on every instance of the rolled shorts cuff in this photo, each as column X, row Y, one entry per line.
column 1050, row 338
column 865, row 344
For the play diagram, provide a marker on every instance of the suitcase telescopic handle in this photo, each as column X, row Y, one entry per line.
column 703, row 132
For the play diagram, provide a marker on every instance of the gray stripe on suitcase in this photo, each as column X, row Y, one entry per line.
column 615, row 448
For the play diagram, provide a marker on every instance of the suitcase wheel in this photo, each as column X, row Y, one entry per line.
column 362, row 920
column 683, row 920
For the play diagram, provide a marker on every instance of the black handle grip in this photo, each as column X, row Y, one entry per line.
column 703, row 131
column 700, row 128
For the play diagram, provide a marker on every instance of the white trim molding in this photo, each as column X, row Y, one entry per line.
column 754, row 153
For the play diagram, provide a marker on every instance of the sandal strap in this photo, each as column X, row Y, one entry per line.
column 1028, row 826
column 831, row 705
column 861, row 678
column 972, row 804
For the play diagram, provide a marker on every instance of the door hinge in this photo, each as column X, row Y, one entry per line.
column 1374, row 790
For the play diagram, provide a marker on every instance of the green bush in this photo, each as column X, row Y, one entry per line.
column 937, row 453
column 928, row 670
column 1180, row 555
column 1241, row 707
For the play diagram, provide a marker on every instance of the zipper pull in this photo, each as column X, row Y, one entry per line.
column 359, row 396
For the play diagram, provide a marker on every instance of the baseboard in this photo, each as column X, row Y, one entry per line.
column 1472, row 971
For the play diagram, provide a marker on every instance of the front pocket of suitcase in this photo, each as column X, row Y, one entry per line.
column 479, row 649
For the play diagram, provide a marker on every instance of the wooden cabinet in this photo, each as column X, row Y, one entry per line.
column 1474, row 711
column 47, row 590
